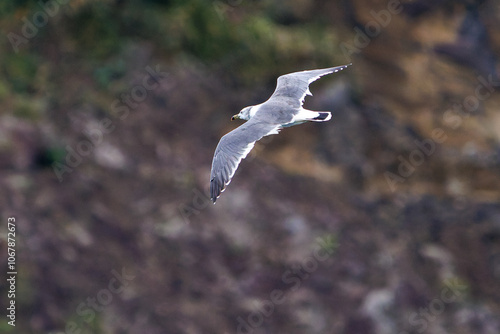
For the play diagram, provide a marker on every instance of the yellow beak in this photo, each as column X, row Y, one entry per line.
column 235, row 117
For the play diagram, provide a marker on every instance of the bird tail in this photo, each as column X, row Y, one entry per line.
column 322, row 116
column 305, row 115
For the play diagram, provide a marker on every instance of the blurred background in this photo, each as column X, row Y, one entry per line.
column 384, row 220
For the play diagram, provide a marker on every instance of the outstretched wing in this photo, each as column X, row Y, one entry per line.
column 234, row 147
column 294, row 87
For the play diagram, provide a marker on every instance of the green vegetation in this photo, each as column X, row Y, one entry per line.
column 213, row 32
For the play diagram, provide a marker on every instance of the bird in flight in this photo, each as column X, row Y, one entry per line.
column 283, row 109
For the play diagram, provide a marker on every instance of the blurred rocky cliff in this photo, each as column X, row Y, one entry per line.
column 384, row 220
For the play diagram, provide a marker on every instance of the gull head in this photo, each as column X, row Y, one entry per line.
column 245, row 113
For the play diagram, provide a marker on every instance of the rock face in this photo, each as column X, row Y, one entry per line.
column 384, row 220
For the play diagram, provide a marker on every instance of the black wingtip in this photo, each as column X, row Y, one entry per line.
column 215, row 190
column 213, row 195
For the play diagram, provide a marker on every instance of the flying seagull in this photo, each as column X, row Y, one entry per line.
column 283, row 109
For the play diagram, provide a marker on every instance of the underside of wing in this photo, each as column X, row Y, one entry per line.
column 295, row 86
column 232, row 148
